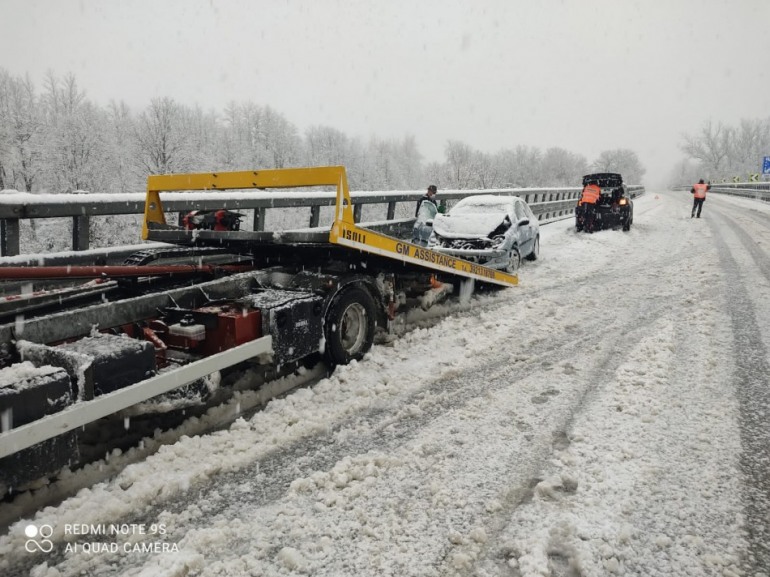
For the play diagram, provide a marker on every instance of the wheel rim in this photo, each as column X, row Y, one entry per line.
column 514, row 261
column 353, row 328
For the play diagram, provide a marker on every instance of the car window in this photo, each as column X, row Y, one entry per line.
column 519, row 210
column 529, row 212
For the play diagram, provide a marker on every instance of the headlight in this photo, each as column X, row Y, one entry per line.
column 497, row 240
column 623, row 201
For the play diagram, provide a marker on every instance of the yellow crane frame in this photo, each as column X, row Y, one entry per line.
column 343, row 231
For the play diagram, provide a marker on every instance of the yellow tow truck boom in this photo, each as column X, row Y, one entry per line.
column 344, row 230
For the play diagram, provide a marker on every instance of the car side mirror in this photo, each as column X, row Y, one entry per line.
column 524, row 222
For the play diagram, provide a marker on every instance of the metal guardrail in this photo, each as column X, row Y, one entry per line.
column 753, row 190
column 548, row 204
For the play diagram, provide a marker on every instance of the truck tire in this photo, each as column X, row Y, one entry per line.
column 349, row 326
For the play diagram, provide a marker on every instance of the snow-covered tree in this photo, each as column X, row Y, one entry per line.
column 460, row 161
column 385, row 164
column 520, row 167
column 125, row 177
column 749, row 143
column 563, row 168
column 21, row 128
column 160, row 140
column 325, row 146
column 711, row 146
column 486, row 171
column 409, row 160
column 621, row 160
column 685, row 173
column 75, row 145
column 280, row 139
column 436, row 173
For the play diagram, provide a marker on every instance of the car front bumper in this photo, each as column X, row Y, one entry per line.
column 491, row 257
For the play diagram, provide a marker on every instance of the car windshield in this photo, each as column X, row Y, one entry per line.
column 481, row 206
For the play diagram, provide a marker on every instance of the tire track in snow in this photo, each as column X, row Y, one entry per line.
column 752, row 371
column 638, row 558
column 601, row 372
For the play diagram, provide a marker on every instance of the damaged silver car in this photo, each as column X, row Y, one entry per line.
column 495, row 231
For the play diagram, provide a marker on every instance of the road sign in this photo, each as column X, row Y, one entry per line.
column 754, row 177
column 766, row 165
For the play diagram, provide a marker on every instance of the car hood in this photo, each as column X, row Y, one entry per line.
column 466, row 225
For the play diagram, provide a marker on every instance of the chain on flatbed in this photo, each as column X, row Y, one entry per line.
column 145, row 257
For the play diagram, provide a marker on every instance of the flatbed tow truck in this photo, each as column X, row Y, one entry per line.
column 218, row 299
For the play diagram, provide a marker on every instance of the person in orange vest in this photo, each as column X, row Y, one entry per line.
column 699, row 195
column 588, row 199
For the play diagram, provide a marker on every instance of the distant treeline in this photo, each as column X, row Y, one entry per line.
column 56, row 140
column 723, row 153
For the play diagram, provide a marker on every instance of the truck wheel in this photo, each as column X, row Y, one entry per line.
column 349, row 326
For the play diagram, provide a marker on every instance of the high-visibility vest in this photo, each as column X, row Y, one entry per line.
column 591, row 194
column 700, row 190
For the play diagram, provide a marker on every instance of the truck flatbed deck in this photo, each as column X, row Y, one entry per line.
column 344, row 231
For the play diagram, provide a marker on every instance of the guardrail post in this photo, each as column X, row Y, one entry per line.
column 9, row 236
column 315, row 215
column 259, row 220
column 80, row 232
column 391, row 211
column 357, row 211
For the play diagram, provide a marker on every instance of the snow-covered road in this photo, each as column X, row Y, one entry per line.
column 609, row 416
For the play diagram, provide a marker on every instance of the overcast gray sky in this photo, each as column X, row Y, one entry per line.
column 585, row 75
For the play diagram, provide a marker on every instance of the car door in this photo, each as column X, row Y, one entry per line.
column 524, row 231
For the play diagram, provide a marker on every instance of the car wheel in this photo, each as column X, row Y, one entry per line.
column 535, row 249
column 349, row 326
column 514, row 261
column 627, row 222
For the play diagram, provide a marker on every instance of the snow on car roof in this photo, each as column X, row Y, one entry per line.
column 484, row 200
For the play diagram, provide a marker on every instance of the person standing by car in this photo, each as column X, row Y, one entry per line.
column 424, row 213
column 588, row 199
column 699, row 196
